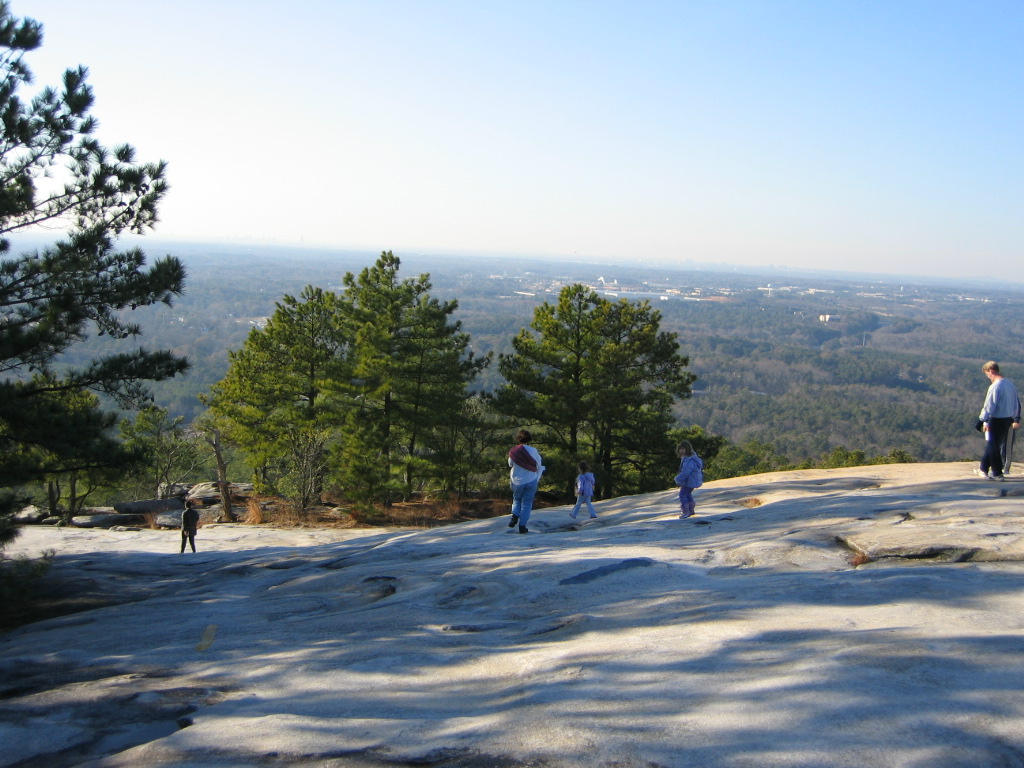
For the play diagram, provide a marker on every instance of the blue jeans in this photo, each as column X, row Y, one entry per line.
column 522, row 500
column 580, row 501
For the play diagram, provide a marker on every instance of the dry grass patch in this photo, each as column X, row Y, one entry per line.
column 417, row 512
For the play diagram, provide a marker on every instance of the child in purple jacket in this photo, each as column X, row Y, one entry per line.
column 691, row 475
column 584, row 490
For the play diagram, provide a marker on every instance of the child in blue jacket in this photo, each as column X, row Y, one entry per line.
column 691, row 475
column 584, row 490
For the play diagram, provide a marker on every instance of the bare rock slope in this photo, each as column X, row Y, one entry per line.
column 854, row 617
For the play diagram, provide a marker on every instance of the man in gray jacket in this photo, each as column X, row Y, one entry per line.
column 999, row 414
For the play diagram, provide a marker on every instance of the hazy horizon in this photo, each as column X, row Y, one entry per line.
column 873, row 137
column 155, row 247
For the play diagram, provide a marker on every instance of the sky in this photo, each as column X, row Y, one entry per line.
column 869, row 135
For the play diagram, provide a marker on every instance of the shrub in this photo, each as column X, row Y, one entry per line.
column 18, row 579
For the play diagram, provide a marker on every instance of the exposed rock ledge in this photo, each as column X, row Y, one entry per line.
column 852, row 617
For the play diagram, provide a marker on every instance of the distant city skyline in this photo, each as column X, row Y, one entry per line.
column 871, row 137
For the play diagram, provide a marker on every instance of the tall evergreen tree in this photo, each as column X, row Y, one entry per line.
column 53, row 171
column 600, row 378
column 359, row 382
column 549, row 374
column 412, row 366
column 273, row 402
column 637, row 375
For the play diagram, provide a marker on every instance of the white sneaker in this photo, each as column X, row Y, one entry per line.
column 979, row 473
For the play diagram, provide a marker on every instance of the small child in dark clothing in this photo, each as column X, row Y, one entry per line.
column 584, row 490
column 189, row 524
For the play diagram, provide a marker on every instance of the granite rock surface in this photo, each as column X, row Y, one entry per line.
column 860, row 617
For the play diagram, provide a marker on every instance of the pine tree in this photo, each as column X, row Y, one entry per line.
column 601, row 379
column 412, row 366
column 169, row 452
column 637, row 374
column 274, row 404
column 469, row 448
column 550, row 373
column 361, row 382
column 54, row 172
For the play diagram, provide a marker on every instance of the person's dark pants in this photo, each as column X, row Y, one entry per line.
column 188, row 536
column 992, row 459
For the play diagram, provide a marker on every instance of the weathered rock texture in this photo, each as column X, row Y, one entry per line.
column 854, row 617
